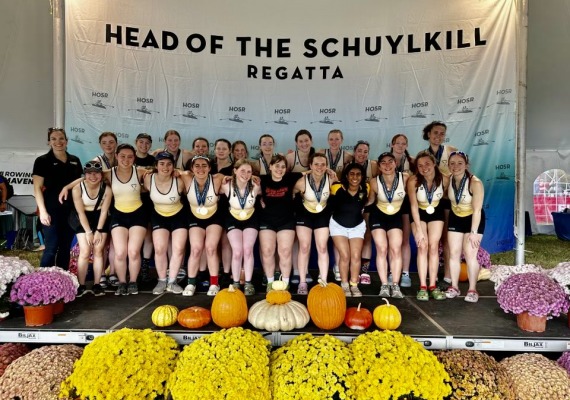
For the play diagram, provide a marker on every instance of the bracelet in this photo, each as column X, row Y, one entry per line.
column 473, row 232
column 100, row 230
column 87, row 233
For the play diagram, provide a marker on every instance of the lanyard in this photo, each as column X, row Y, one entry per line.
column 429, row 193
column 390, row 194
column 201, row 196
column 319, row 192
column 334, row 163
column 458, row 192
column 241, row 200
column 438, row 154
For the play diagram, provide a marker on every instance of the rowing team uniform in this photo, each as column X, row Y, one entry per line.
column 204, row 204
column 429, row 203
column 168, row 212
column 461, row 214
column 241, row 212
column 387, row 212
column 127, row 210
column 336, row 163
column 91, row 213
column 313, row 212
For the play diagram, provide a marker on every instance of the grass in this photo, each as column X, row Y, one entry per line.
column 544, row 250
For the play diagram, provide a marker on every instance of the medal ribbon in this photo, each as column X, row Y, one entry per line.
column 241, row 199
column 318, row 193
column 458, row 192
column 265, row 165
column 401, row 165
column 429, row 193
column 438, row 154
column 334, row 163
column 390, row 194
column 105, row 159
column 201, row 196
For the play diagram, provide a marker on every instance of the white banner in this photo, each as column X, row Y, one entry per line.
column 236, row 70
column 17, row 168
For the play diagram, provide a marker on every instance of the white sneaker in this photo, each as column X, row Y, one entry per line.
column 346, row 289
column 174, row 287
column 336, row 273
column 189, row 290
column 213, row 290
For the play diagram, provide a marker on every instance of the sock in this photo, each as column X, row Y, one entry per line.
column 192, row 281
column 286, row 280
column 214, row 280
column 423, row 287
column 270, row 280
column 162, row 280
column 171, row 280
column 406, row 273
column 353, row 283
column 448, row 280
column 248, row 282
column 432, row 288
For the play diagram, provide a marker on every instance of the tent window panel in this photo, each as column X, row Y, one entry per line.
column 551, row 193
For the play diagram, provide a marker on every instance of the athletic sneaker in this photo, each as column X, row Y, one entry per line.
column 189, row 290
column 174, row 287
column 213, row 290
column 122, row 290
column 81, row 290
column 336, row 271
column 133, row 288
column 384, row 291
column 365, row 279
column 406, row 281
column 98, row 290
column 181, row 274
column 355, row 291
column 103, row 282
column 396, row 292
column 249, row 289
column 346, row 289
column 295, row 278
column 159, row 288
column 114, row 281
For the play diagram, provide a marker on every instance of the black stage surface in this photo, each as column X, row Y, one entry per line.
column 448, row 324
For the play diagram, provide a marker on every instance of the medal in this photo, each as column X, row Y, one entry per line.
column 390, row 193
column 202, row 210
column 429, row 195
column 242, row 200
column 201, row 195
column 319, row 208
column 430, row 210
column 242, row 214
column 390, row 208
column 318, row 192
column 458, row 192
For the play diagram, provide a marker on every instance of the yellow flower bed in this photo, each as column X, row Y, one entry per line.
column 389, row 365
column 311, row 367
column 230, row 364
column 129, row 364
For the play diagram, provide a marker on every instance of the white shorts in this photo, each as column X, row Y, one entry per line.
column 352, row 233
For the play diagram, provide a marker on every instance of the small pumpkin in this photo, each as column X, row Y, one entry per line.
column 164, row 315
column 229, row 308
column 387, row 316
column 279, row 285
column 278, row 317
column 326, row 303
column 194, row 317
column 463, row 274
column 358, row 318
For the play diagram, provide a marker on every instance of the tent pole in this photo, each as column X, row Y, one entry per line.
column 58, row 63
column 522, row 39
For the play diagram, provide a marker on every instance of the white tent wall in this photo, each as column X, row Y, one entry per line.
column 26, row 84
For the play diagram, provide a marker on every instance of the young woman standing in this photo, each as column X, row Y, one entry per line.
column 51, row 173
column 347, row 225
column 425, row 190
column 168, row 220
column 336, row 156
column 388, row 192
column 405, row 164
column 172, row 145
column 277, row 219
column 242, row 222
column 222, row 162
column 266, row 152
column 298, row 161
column 466, row 224
column 108, row 143
column 206, row 221
column 313, row 217
column 92, row 199
column 361, row 153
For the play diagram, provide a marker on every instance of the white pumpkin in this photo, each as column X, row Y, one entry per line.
column 278, row 317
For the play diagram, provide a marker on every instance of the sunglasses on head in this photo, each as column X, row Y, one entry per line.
column 459, row 153
column 94, row 165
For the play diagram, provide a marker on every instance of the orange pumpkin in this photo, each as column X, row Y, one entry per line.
column 358, row 318
column 229, row 308
column 326, row 303
column 463, row 276
column 387, row 316
column 194, row 317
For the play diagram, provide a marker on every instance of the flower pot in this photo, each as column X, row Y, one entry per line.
column 531, row 323
column 58, row 307
column 38, row 315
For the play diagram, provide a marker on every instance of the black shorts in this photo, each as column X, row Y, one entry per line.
column 276, row 226
column 405, row 209
column 147, row 202
column 93, row 218
column 172, row 223
column 463, row 224
column 446, row 203
column 232, row 223
column 379, row 220
column 312, row 220
column 216, row 219
column 139, row 217
column 438, row 214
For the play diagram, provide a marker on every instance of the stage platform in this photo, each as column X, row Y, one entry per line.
column 438, row 325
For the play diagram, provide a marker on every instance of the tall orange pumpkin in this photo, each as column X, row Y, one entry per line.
column 327, row 305
column 229, row 308
column 463, row 275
